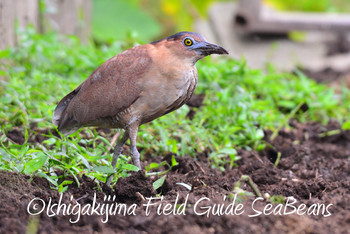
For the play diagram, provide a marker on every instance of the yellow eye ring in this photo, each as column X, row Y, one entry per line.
column 188, row 42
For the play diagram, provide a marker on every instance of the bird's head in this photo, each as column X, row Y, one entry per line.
column 190, row 45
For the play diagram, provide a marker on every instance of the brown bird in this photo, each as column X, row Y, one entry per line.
column 136, row 87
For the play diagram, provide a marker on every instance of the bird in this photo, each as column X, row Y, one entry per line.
column 134, row 87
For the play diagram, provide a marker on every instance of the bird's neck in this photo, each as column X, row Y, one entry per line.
column 168, row 61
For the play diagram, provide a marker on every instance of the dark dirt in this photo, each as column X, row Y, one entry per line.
column 314, row 168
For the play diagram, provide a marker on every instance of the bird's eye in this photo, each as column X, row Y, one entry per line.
column 188, row 42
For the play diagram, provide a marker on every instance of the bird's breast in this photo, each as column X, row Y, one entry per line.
column 162, row 93
column 184, row 89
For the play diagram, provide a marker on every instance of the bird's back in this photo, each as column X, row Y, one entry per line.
column 110, row 89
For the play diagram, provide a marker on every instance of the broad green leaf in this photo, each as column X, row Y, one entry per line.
column 229, row 151
column 36, row 163
column 5, row 156
column 173, row 161
column 130, row 167
column 62, row 188
column 103, row 169
column 52, row 181
column 159, row 183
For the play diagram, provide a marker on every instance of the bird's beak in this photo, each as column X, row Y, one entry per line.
column 206, row 48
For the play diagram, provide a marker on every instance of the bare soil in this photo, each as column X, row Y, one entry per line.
column 314, row 169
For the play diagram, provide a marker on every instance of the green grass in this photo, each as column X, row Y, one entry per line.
column 240, row 103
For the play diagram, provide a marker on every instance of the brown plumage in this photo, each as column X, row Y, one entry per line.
column 109, row 90
column 135, row 87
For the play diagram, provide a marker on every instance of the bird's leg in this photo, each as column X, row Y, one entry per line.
column 132, row 129
column 117, row 151
column 118, row 148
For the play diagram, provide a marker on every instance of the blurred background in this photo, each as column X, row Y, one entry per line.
column 220, row 21
column 107, row 20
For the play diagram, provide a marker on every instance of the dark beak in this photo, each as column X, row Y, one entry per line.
column 206, row 48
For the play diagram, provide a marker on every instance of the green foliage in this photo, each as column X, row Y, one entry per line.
column 239, row 104
column 310, row 5
column 112, row 20
column 300, row 5
column 156, row 166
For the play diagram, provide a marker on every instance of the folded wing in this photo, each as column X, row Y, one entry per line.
column 110, row 89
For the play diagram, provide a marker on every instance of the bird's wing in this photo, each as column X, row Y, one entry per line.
column 110, row 89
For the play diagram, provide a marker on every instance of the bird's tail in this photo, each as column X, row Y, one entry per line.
column 59, row 115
